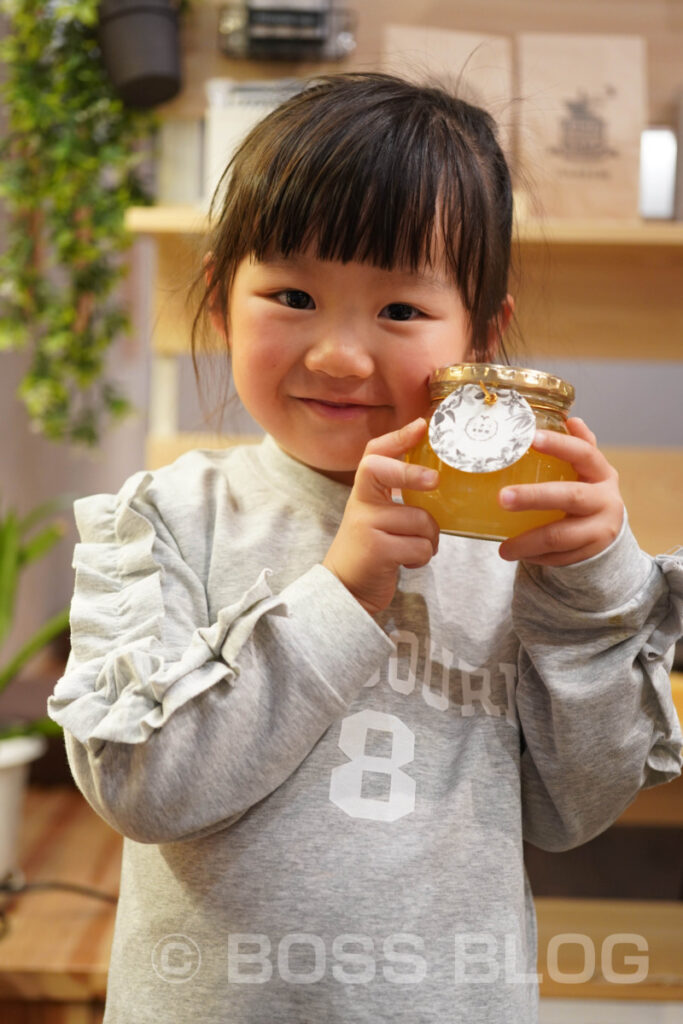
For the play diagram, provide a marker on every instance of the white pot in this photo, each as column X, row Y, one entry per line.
column 16, row 755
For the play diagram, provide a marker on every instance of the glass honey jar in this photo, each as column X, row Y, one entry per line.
column 468, row 431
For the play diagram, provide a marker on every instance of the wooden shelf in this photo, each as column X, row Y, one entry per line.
column 193, row 220
column 601, row 232
column 166, row 220
column 584, row 289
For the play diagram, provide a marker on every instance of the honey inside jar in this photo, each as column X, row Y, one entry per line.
column 466, row 503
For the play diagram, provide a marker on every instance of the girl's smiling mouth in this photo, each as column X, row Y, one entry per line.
column 338, row 408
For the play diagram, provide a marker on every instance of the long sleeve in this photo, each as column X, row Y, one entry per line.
column 594, row 695
column 160, row 704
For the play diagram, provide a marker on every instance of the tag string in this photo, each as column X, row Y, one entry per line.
column 489, row 397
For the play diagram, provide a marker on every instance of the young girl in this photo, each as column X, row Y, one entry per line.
column 323, row 728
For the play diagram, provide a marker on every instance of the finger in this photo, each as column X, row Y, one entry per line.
column 559, row 558
column 577, row 427
column 405, row 521
column 588, row 461
column 411, row 547
column 378, row 475
column 572, row 497
column 394, row 543
column 539, row 542
column 419, row 553
column 396, row 443
column 563, row 537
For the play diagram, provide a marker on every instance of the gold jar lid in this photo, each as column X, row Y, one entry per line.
column 538, row 387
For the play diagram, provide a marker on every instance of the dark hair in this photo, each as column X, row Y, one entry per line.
column 369, row 167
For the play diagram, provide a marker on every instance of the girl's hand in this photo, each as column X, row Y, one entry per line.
column 593, row 506
column 376, row 536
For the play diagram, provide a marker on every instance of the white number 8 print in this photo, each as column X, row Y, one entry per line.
column 347, row 779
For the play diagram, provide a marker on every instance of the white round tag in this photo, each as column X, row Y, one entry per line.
column 477, row 436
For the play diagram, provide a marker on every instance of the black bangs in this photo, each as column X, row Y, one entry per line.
column 363, row 195
column 371, row 168
column 381, row 185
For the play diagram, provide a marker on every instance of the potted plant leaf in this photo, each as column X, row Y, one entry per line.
column 23, row 541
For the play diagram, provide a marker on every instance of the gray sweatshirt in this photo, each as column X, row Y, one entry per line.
column 324, row 812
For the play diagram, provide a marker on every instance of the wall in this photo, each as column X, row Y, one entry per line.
column 660, row 22
column 33, row 470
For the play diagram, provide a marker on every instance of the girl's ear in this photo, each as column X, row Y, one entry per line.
column 215, row 312
column 498, row 326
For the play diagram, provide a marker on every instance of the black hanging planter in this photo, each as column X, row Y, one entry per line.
column 141, row 49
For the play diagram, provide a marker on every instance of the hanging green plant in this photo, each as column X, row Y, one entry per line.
column 70, row 166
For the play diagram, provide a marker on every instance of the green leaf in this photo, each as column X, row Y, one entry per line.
column 43, row 542
column 13, row 335
column 46, row 509
column 40, row 727
column 48, row 632
column 10, row 547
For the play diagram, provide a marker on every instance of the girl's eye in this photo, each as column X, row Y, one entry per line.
column 296, row 299
column 400, row 311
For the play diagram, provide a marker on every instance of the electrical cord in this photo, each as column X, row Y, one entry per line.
column 14, row 884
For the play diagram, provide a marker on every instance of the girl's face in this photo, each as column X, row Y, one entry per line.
column 327, row 355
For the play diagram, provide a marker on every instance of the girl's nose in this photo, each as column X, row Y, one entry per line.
column 340, row 357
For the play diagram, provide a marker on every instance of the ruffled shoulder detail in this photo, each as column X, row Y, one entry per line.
column 138, row 654
column 670, row 628
column 665, row 758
